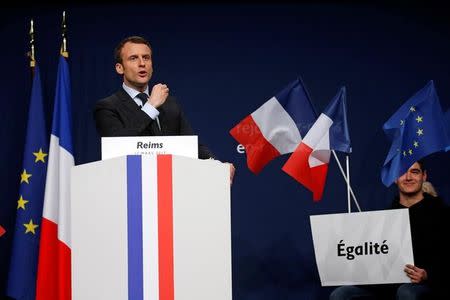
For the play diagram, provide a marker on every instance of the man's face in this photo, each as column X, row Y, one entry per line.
column 410, row 183
column 136, row 66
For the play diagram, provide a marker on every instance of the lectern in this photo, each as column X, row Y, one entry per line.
column 151, row 227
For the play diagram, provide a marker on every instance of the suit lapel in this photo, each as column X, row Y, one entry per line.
column 127, row 101
column 135, row 110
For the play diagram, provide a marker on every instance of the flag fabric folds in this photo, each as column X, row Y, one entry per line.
column 54, row 269
column 309, row 162
column 275, row 128
column 23, row 265
column 416, row 129
column 447, row 120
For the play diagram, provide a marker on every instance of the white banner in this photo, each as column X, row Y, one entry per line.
column 186, row 145
column 362, row 248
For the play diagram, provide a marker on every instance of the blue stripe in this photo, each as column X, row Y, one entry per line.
column 134, row 214
column 337, row 112
column 295, row 101
column 62, row 112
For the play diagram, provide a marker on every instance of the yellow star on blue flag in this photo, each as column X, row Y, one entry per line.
column 40, row 156
column 25, row 176
column 30, row 227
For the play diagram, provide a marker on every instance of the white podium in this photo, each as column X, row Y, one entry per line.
column 151, row 227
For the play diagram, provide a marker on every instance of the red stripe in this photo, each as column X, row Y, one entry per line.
column 297, row 166
column 54, row 274
column 259, row 151
column 2, row 230
column 319, row 175
column 165, row 228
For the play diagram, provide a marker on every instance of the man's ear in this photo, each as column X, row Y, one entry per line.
column 425, row 176
column 119, row 68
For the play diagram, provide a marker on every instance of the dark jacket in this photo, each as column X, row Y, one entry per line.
column 119, row 115
column 429, row 221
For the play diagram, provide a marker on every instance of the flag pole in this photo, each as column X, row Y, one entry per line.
column 345, row 178
column 31, row 52
column 347, row 166
column 64, row 51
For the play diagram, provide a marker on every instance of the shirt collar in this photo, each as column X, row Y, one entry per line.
column 132, row 92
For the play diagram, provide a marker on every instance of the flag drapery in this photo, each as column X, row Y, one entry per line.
column 416, row 129
column 24, row 256
column 447, row 120
column 275, row 128
column 54, row 269
column 309, row 162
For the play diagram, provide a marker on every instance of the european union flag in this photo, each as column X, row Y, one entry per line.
column 417, row 129
column 447, row 119
column 23, row 265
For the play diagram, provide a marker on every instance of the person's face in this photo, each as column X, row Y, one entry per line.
column 136, row 66
column 410, row 183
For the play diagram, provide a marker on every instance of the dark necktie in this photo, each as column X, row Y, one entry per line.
column 143, row 97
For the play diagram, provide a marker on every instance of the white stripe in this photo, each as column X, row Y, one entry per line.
column 318, row 139
column 57, row 189
column 150, row 227
column 277, row 126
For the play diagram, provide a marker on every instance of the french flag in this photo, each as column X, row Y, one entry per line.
column 277, row 127
column 309, row 162
column 447, row 118
column 54, row 265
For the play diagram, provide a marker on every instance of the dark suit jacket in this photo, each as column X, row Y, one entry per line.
column 119, row 115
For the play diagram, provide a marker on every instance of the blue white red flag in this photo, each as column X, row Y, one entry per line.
column 54, row 268
column 309, row 162
column 277, row 127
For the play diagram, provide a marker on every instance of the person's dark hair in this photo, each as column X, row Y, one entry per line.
column 132, row 39
column 422, row 165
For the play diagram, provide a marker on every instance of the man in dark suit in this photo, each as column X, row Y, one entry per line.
column 133, row 111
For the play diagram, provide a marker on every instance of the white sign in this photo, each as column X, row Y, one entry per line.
column 186, row 145
column 362, row 248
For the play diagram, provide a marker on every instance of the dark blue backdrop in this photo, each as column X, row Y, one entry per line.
column 222, row 62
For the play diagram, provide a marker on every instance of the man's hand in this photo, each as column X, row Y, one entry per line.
column 417, row 275
column 158, row 96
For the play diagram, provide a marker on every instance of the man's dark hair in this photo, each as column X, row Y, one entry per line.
column 132, row 39
column 422, row 165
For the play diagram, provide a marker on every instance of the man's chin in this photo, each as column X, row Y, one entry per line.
column 411, row 193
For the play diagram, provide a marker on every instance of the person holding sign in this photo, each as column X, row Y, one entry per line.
column 137, row 109
column 428, row 220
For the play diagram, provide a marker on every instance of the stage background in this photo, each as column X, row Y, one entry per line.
column 222, row 61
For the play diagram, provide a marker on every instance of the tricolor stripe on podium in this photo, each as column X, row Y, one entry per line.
column 170, row 239
column 157, row 269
